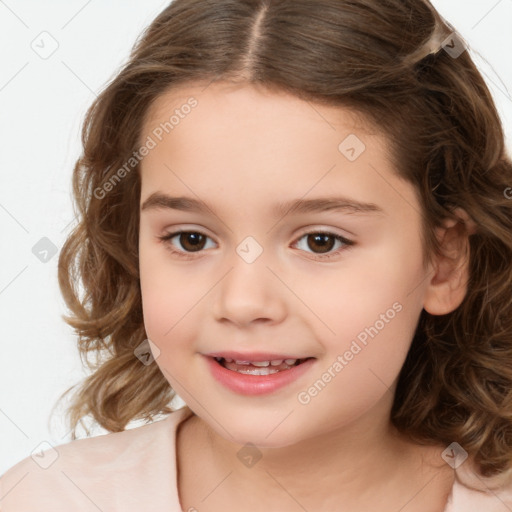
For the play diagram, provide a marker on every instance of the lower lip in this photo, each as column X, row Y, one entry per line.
column 256, row 384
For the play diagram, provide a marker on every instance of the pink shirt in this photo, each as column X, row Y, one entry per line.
column 134, row 471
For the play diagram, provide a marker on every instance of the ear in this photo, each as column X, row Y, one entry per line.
column 448, row 284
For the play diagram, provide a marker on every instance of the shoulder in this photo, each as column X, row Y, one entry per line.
column 107, row 472
column 471, row 491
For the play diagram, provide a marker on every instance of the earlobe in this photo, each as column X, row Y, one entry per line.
column 450, row 274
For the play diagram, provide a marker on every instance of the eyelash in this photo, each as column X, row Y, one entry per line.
column 190, row 255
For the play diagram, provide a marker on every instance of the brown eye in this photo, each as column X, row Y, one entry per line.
column 321, row 242
column 192, row 241
column 185, row 242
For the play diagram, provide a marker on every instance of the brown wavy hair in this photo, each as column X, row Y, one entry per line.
column 384, row 59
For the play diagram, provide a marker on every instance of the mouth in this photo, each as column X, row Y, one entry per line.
column 259, row 367
column 257, row 373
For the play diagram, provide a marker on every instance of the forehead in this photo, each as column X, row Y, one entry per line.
column 224, row 120
column 249, row 101
column 247, row 141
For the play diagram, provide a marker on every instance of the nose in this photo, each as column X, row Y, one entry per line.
column 250, row 293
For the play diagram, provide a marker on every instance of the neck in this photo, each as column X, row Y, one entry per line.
column 364, row 465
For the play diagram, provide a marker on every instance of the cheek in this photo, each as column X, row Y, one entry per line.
column 371, row 290
column 362, row 362
column 162, row 294
column 373, row 311
column 171, row 298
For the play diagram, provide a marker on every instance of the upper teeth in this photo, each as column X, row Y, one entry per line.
column 274, row 362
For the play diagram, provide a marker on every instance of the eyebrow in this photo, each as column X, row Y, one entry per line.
column 159, row 201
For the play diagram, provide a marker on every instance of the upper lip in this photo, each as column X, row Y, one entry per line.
column 252, row 356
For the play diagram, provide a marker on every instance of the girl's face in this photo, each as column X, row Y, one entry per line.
column 255, row 279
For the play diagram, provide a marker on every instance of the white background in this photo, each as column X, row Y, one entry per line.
column 42, row 104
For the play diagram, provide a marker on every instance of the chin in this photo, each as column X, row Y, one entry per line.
column 268, row 433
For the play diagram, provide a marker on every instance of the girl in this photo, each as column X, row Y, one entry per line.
column 296, row 215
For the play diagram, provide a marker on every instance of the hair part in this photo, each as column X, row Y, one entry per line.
column 381, row 59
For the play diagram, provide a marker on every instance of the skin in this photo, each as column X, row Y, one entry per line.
column 242, row 149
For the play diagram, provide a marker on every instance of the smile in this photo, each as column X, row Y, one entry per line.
column 257, row 377
column 259, row 367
